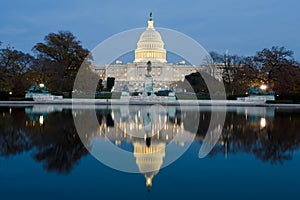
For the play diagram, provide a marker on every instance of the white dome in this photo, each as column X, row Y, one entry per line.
column 150, row 46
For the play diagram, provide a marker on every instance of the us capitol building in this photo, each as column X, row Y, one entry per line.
column 150, row 47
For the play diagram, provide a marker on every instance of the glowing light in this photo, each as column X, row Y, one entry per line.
column 263, row 87
column 41, row 119
column 42, row 85
column 263, row 122
column 10, row 93
column 148, row 181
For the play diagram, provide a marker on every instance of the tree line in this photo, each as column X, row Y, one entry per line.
column 274, row 67
column 56, row 61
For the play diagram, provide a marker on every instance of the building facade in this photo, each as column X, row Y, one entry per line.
column 150, row 47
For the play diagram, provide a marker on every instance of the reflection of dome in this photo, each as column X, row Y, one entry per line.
column 149, row 158
column 150, row 46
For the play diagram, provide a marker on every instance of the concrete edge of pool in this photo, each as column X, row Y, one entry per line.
column 147, row 102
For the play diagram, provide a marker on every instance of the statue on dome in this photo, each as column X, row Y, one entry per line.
column 150, row 16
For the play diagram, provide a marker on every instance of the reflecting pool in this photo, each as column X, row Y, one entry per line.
column 56, row 152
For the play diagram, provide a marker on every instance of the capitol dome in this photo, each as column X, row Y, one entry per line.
column 150, row 46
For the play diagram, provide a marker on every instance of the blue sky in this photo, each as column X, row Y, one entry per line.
column 242, row 27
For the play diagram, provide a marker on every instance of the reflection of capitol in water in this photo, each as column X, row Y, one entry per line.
column 149, row 130
column 142, row 123
column 149, row 158
column 52, row 150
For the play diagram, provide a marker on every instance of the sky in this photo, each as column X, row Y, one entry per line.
column 242, row 27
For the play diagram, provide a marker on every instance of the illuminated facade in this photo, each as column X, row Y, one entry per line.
column 150, row 47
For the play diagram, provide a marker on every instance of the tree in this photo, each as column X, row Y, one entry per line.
column 230, row 66
column 278, row 69
column 62, row 50
column 49, row 73
column 247, row 75
column 14, row 65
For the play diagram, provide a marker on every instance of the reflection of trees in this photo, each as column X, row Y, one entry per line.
column 61, row 156
column 13, row 140
column 274, row 143
column 54, row 143
column 279, row 140
column 57, row 145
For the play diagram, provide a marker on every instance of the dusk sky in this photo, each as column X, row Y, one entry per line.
column 242, row 27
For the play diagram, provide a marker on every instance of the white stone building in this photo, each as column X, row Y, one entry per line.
column 150, row 47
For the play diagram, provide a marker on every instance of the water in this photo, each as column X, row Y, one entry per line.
column 43, row 156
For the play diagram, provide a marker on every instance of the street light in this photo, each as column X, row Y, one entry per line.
column 263, row 87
